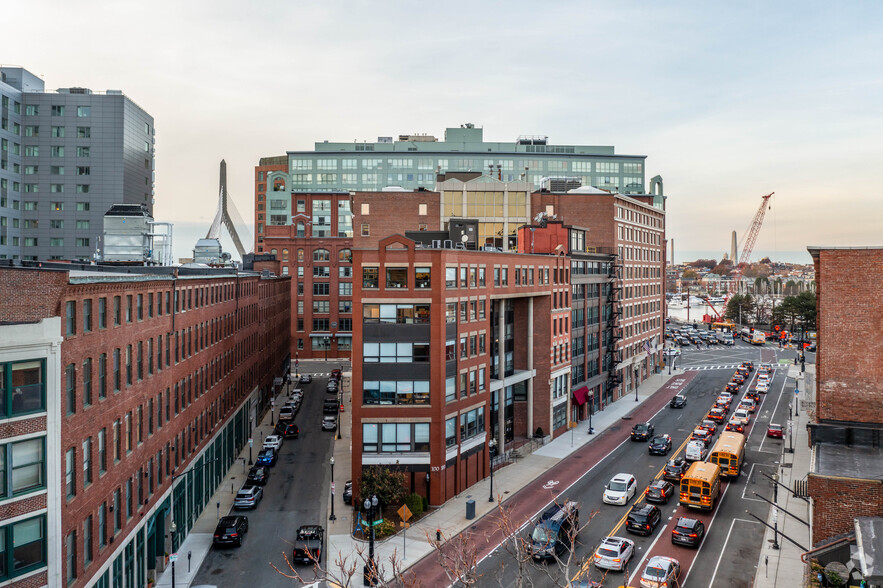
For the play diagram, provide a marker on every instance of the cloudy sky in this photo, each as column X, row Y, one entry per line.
column 729, row 101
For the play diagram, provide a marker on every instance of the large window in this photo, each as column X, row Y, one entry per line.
column 395, row 437
column 395, row 352
column 22, row 467
column 396, row 277
column 422, row 277
column 396, row 313
column 22, row 547
column 471, row 423
column 370, row 277
column 322, row 214
column 395, row 392
column 321, row 255
column 22, row 387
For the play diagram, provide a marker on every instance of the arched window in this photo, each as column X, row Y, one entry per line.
column 321, row 255
column 278, row 185
column 285, row 255
column 273, row 251
column 345, row 255
column 300, row 254
column 300, row 229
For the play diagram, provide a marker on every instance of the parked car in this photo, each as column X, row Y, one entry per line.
column 308, row 545
column 287, row 429
column 230, row 530
column 689, row 532
column 329, row 423
column 614, row 553
column 331, row 387
column 620, row 489
column 305, row 379
column 267, row 457
column 348, row 492
column 735, row 425
column 660, row 571
column 642, row 431
column 336, row 374
column 297, row 395
column 660, row 445
column 775, row 431
column 675, row 469
column 248, row 496
column 330, row 406
column 679, row 401
column 286, row 413
column 642, row 519
column 273, row 442
column 659, row 491
column 258, row 476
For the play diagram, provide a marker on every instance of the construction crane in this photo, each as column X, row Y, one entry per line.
column 750, row 239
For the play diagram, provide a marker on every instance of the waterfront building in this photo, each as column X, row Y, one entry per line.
column 67, row 156
column 158, row 377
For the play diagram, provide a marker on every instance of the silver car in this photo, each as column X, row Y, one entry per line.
column 614, row 553
column 248, row 497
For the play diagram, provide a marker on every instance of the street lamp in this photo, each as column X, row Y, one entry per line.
column 775, row 511
column 427, row 487
column 492, row 449
column 173, row 529
column 636, row 384
column 591, row 411
column 332, row 517
column 369, row 573
column 296, row 365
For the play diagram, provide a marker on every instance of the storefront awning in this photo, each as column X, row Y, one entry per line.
column 581, row 395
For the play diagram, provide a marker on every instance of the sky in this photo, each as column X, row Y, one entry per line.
column 728, row 101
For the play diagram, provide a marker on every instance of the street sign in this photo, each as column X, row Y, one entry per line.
column 404, row 512
column 173, row 557
column 250, row 442
column 796, row 391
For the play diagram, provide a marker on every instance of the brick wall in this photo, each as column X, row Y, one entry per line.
column 849, row 326
column 36, row 581
column 836, row 501
column 393, row 213
column 29, row 295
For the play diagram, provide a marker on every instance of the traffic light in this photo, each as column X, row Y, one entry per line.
column 776, row 327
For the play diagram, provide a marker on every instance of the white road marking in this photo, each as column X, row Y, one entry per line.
column 750, row 472
column 760, row 448
column 724, row 550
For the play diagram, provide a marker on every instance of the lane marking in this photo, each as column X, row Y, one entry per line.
column 772, row 416
column 745, row 489
column 723, row 551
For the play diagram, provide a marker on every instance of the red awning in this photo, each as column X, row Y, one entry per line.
column 581, row 395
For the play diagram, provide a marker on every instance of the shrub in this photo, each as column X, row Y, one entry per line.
column 384, row 529
column 425, row 504
column 415, row 503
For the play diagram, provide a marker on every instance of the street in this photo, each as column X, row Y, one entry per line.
column 296, row 494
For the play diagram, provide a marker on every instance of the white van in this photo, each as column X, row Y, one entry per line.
column 696, row 451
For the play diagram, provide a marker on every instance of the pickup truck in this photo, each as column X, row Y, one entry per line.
column 308, row 545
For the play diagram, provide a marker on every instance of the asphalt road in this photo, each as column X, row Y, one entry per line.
column 296, row 494
column 730, row 552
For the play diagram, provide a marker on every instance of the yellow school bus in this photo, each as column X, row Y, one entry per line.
column 728, row 453
column 701, row 485
column 725, row 326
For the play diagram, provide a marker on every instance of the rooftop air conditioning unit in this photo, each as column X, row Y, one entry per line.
column 436, row 243
column 449, row 244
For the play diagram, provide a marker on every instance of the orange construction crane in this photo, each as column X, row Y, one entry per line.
column 750, row 238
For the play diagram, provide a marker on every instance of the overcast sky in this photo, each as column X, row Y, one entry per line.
column 729, row 101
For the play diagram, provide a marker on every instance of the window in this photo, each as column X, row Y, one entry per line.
column 84, row 170
column 451, row 432
column 395, row 313
column 321, row 289
column 83, row 111
column 87, row 381
column 87, row 462
column 70, row 378
column 366, row 230
column 22, row 547
column 395, row 437
column 102, row 451
column 22, row 467
column 450, row 391
column 83, row 151
column 82, row 206
column 450, row 277
column 345, row 288
column 422, row 277
column 395, row 352
column 82, row 188
column 84, row 132
column 370, row 277
column 70, row 475
column 396, row 277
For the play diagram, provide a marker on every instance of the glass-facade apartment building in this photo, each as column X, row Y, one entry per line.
column 413, row 161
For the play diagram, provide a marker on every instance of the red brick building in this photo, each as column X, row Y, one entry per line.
column 262, row 171
column 162, row 375
column 846, row 476
column 456, row 347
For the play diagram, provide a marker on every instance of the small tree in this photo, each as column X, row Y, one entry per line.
column 388, row 485
column 740, row 307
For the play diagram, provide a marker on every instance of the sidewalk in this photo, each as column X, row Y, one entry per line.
column 199, row 540
column 782, row 568
column 451, row 517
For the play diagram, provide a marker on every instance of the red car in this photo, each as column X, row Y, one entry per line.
column 775, row 431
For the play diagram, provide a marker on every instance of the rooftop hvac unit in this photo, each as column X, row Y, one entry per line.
column 436, row 243
column 449, row 244
column 561, row 184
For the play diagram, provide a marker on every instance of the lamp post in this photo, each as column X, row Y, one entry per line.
column 427, row 487
column 173, row 529
column 370, row 571
column 332, row 517
column 776, row 511
column 492, row 449
column 636, row 385
column 296, row 365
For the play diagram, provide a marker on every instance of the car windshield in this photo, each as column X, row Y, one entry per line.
column 658, row 439
column 620, row 486
column 605, row 552
column 654, row 572
column 539, row 535
column 640, row 428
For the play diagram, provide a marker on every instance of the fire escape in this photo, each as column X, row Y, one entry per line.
column 614, row 324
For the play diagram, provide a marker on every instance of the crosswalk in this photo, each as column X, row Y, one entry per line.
column 694, row 368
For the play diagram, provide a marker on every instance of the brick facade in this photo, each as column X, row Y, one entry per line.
column 837, row 500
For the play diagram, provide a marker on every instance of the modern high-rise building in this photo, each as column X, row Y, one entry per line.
column 67, row 156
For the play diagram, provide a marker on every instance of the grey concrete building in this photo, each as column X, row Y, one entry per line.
column 72, row 153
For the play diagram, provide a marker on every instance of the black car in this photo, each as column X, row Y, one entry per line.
column 675, row 469
column 642, row 431
column 286, row 429
column 230, row 531
column 659, row 491
column 258, row 476
column 688, row 532
column 643, row 518
column 305, row 379
column 660, row 445
column 308, row 545
column 348, row 492
column 679, row 401
column 330, row 406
